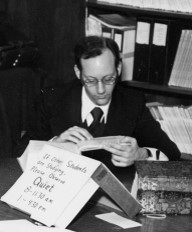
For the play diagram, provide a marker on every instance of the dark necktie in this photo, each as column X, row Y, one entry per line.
column 97, row 113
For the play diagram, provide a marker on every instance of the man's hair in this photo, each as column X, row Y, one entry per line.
column 92, row 46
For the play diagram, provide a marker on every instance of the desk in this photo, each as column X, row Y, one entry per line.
column 85, row 221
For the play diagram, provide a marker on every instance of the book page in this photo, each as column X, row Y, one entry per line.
column 98, row 143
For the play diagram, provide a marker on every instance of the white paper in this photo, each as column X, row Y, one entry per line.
column 160, row 34
column 118, row 220
column 143, row 32
column 23, row 225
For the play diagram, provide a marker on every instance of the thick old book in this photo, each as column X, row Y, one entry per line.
column 164, row 187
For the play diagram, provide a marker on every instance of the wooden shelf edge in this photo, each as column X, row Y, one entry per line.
column 159, row 88
column 124, row 8
column 186, row 156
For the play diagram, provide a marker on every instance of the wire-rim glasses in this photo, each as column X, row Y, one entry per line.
column 91, row 81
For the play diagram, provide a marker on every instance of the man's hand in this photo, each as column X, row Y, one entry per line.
column 127, row 152
column 74, row 134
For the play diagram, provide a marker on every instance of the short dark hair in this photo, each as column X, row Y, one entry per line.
column 92, row 46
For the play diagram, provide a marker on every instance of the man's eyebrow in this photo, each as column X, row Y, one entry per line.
column 108, row 75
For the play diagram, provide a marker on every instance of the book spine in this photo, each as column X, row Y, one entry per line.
column 142, row 50
column 116, row 190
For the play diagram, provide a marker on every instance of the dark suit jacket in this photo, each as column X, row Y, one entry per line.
column 60, row 109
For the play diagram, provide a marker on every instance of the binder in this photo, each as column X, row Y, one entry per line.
column 142, row 50
column 158, row 55
column 154, row 62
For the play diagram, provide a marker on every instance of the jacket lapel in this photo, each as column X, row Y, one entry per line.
column 120, row 121
column 115, row 118
column 68, row 112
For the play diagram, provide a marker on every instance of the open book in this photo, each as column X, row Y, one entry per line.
column 93, row 144
column 98, row 143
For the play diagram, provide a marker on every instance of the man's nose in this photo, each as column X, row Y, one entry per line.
column 100, row 87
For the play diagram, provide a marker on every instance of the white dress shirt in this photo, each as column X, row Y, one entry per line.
column 88, row 106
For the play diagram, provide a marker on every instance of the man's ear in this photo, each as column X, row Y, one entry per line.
column 119, row 68
column 77, row 71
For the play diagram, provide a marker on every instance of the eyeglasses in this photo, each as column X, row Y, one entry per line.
column 108, row 80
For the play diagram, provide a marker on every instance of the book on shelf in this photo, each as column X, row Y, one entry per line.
column 120, row 28
column 176, row 121
column 158, row 53
column 174, row 33
column 182, row 67
column 142, row 49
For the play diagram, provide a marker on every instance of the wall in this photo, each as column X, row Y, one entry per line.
column 55, row 25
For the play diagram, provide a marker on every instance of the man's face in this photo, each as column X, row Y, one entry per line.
column 99, row 68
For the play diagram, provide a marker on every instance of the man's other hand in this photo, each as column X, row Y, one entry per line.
column 127, row 152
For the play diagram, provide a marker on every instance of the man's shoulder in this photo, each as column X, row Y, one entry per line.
column 124, row 90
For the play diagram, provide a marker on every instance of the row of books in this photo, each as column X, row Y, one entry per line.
column 182, row 68
column 176, row 121
column 148, row 45
column 168, row 5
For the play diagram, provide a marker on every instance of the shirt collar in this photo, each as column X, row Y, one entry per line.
column 88, row 105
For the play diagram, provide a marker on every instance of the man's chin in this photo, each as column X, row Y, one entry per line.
column 102, row 102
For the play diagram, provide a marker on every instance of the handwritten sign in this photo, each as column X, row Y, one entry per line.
column 46, row 188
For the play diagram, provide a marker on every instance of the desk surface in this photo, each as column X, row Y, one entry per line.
column 86, row 220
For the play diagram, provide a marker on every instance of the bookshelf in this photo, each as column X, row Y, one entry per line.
column 159, row 91
column 94, row 7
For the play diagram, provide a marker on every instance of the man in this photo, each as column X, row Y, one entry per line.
column 66, row 112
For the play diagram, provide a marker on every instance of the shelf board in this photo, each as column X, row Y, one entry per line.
column 159, row 88
column 138, row 10
column 186, row 156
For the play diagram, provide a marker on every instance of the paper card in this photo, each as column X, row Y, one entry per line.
column 23, row 225
column 46, row 188
column 118, row 220
column 143, row 33
column 160, row 34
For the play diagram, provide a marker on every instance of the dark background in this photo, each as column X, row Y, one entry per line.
column 55, row 26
